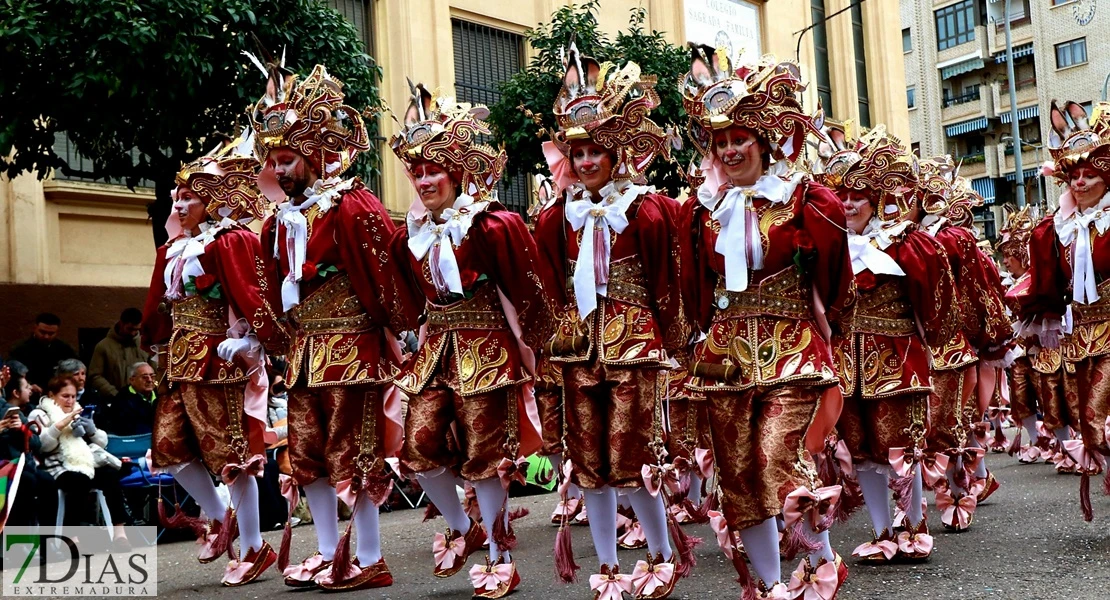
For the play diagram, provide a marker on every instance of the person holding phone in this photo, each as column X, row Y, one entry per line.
column 37, row 501
column 73, row 451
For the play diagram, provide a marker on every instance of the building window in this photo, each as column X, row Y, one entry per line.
column 360, row 13
column 911, row 97
column 821, row 55
column 485, row 57
column 915, row 147
column 955, row 24
column 861, row 66
column 1060, row 2
column 78, row 167
column 907, row 40
column 1071, row 53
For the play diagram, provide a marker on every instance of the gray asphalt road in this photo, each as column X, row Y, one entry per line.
column 1028, row 541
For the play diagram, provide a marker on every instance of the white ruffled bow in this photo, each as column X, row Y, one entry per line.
column 321, row 194
column 596, row 220
column 866, row 249
column 1076, row 229
column 740, row 242
column 183, row 260
column 442, row 238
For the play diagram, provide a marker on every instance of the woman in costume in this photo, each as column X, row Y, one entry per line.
column 765, row 268
column 1069, row 287
column 904, row 286
column 205, row 317
column 609, row 257
column 471, row 266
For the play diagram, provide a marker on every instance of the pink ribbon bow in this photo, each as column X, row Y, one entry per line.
column 304, row 570
column 885, row 547
column 648, row 578
column 704, row 459
column 1087, row 462
column 634, row 535
column 564, row 483
column 446, row 553
column 903, row 463
column 980, row 431
column 844, row 459
column 934, row 469
column 818, row 584
column 915, row 544
column 816, row 505
column 719, row 526
column 489, row 577
column 236, row 570
column 376, row 490
column 253, row 467
column 656, row 477
column 610, row 587
column 1106, row 429
column 289, row 492
column 956, row 513
column 510, row 471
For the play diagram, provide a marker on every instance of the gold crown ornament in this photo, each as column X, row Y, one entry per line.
column 442, row 131
column 877, row 164
column 225, row 180
column 1078, row 138
column 1014, row 236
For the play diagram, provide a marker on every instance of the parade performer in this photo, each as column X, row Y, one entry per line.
column 325, row 255
column 204, row 318
column 1033, row 389
column 765, row 268
column 1068, row 289
column 471, row 264
column 610, row 261
column 904, row 286
column 966, row 366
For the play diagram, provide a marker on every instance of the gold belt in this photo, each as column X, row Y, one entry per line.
column 749, row 303
column 482, row 311
column 333, row 308
column 196, row 313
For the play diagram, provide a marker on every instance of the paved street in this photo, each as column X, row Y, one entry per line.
column 1028, row 541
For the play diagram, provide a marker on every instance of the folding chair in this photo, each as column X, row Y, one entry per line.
column 132, row 449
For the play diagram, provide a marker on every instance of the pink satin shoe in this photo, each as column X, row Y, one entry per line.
column 494, row 580
column 818, row 583
column 242, row 572
column 609, row 584
column 880, row 550
column 654, row 578
column 915, row 544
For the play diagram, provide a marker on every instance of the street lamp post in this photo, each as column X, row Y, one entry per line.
column 1018, row 175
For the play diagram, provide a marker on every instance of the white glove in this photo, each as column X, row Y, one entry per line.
column 231, row 347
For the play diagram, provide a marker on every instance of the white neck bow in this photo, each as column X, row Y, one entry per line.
column 183, row 259
column 1076, row 229
column 595, row 221
column 322, row 194
column 867, row 249
column 442, row 238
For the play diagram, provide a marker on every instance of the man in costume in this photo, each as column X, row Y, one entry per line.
column 765, row 266
column 1069, row 287
column 205, row 317
column 326, row 263
column 904, row 286
column 469, row 266
column 610, row 262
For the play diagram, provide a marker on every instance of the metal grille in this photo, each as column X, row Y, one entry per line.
column 67, row 152
column 485, row 57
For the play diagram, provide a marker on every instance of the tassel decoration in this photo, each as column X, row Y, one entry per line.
column 684, row 546
column 1085, row 498
column 1015, row 445
column 518, row 513
column 286, row 543
column 231, row 525
column 431, row 512
column 503, row 534
column 795, row 542
column 566, row 570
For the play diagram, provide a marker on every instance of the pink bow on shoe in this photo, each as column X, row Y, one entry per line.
column 1086, row 462
column 647, row 578
column 817, row 505
column 634, row 536
column 885, row 547
column 813, row 584
column 719, row 526
column 253, row 467
column 446, row 553
column 956, row 513
column 329, row 577
column 915, row 544
column 236, row 571
column 610, row 586
column 512, row 470
column 305, row 570
column 489, row 577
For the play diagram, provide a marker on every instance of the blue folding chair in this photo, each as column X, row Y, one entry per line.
column 134, row 448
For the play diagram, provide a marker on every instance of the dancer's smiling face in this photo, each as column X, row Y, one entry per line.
column 741, row 154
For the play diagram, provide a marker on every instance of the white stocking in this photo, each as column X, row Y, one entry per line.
column 694, row 495
column 981, row 468
column 1062, row 435
column 653, row 518
column 368, row 534
column 822, row 538
column 194, row 477
column 442, row 487
column 1030, row 425
column 244, row 496
column 623, row 501
column 601, row 504
column 762, row 543
column 876, row 495
column 323, row 504
column 492, row 499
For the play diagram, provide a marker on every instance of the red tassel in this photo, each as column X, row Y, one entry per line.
column 341, row 564
column 1085, row 498
column 1015, row 446
column 431, row 512
column 795, row 542
column 503, row 534
column 1106, row 483
column 518, row 513
column 180, row 520
column 701, row 514
column 851, row 500
column 744, row 576
column 566, row 570
column 231, row 524
column 826, row 469
column 226, row 537
column 684, row 546
column 901, row 488
column 286, row 542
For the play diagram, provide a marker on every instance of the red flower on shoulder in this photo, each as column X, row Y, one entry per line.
column 308, row 271
column 866, row 281
column 803, row 241
column 205, row 282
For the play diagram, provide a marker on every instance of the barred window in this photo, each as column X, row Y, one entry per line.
column 955, row 24
column 360, row 13
column 485, row 57
column 861, row 66
column 821, row 55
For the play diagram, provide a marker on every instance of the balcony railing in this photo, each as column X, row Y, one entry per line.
column 962, row 98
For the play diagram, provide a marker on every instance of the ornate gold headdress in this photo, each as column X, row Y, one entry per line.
column 224, row 179
column 445, row 132
column 310, row 118
column 1015, row 233
column 609, row 106
column 876, row 164
column 761, row 97
column 1077, row 138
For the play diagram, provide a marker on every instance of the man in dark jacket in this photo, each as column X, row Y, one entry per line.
column 132, row 411
column 42, row 351
column 36, row 499
column 114, row 355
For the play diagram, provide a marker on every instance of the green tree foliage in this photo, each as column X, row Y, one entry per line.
column 535, row 87
column 159, row 77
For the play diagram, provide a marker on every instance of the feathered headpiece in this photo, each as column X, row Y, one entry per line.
column 877, row 164
column 761, row 97
column 445, row 132
column 310, row 118
column 610, row 107
column 1076, row 138
column 224, row 180
column 1015, row 233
